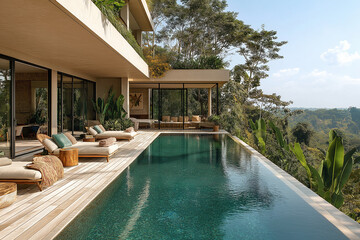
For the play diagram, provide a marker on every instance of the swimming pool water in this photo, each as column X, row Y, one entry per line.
column 190, row 186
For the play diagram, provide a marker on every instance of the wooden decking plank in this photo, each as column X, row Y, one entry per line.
column 35, row 197
column 44, row 214
column 32, row 209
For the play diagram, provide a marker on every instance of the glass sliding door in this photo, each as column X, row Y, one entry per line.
column 90, row 98
column 5, row 108
column 59, row 103
column 31, row 106
column 80, row 106
column 75, row 107
column 67, row 101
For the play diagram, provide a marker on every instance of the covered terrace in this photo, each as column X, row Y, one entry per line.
column 182, row 99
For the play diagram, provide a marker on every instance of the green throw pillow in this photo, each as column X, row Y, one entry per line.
column 98, row 129
column 61, row 140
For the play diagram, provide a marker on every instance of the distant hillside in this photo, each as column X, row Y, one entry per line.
column 322, row 120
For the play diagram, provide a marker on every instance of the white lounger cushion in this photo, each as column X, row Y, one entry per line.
column 92, row 131
column 117, row 134
column 4, row 161
column 50, row 145
column 91, row 148
column 17, row 170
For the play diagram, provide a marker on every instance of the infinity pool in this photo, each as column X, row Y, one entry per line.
column 198, row 187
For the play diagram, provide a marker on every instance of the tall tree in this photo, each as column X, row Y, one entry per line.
column 302, row 133
column 200, row 28
column 257, row 48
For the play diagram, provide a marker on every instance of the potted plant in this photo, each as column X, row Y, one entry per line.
column 216, row 120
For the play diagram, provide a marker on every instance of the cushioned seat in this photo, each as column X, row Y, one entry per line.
column 18, row 171
column 91, row 148
column 116, row 134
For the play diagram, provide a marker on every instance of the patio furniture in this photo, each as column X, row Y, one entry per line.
column 186, row 119
column 89, row 139
column 16, row 172
column 8, row 192
column 119, row 135
column 69, row 157
column 86, row 149
column 138, row 122
column 19, row 132
column 165, row 119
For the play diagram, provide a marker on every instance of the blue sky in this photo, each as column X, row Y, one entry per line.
column 321, row 64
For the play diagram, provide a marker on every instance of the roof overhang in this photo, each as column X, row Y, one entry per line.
column 187, row 78
column 69, row 36
column 141, row 13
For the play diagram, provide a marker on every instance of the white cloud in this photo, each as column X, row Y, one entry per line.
column 340, row 54
column 287, row 72
column 319, row 74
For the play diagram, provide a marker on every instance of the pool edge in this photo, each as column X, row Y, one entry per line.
column 55, row 232
column 345, row 224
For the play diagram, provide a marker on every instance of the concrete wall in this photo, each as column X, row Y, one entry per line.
column 103, row 86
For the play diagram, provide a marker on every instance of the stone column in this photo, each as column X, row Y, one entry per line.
column 209, row 102
column 125, row 92
column 54, row 102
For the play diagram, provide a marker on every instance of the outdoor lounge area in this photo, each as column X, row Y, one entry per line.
column 182, row 99
column 109, row 128
column 53, row 212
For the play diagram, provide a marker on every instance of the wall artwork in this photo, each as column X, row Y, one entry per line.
column 136, row 101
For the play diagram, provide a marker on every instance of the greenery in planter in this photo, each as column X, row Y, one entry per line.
column 110, row 108
column 118, row 124
column 111, row 9
column 111, row 112
column 215, row 119
column 100, row 108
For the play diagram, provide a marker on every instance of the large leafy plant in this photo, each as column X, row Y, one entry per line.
column 334, row 171
column 101, row 108
column 115, row 109
column 259, row 131
column 111, row 108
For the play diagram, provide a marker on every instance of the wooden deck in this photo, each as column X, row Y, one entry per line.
column 42, row 215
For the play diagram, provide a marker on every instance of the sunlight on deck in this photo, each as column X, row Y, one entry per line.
column 41, row 215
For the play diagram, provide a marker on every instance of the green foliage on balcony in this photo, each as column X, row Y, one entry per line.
column 111, row 9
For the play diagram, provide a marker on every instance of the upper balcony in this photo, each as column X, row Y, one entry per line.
column 70, row 36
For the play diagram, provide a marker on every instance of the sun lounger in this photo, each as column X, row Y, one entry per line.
column 18, row 173
column 86, row 149
column 119, row 135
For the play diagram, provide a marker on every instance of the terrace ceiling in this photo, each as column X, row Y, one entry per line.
column 187, row 78
column 66, row 35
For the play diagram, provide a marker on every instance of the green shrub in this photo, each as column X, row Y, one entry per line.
column 118, row 124
column 111, row 11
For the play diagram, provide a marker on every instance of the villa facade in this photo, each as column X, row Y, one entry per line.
column 57, row 56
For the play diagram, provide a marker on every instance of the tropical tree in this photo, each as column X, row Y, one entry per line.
column 194, row 28
column 302, row 133
column 257, row 48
